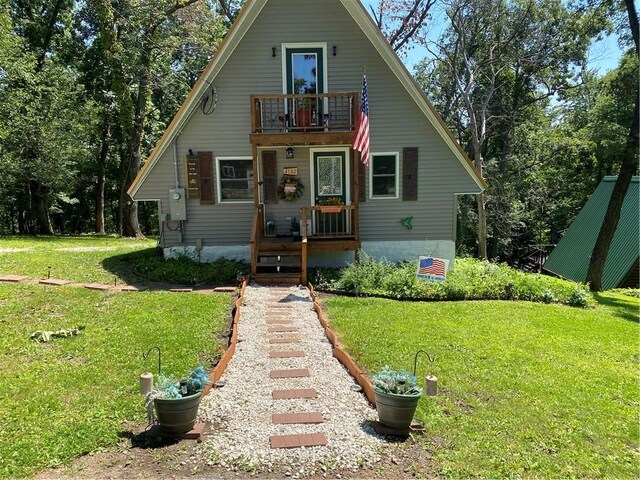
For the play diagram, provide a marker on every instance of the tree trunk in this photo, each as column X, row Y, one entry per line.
column 39, row 208
column 628, row 168
column 480, row 199
column 102, row 160
column 130, row 225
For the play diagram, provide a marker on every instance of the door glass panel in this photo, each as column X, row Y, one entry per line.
column 304, row 73
column 329, row 176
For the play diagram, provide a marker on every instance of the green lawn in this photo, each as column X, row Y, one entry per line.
column 73, row 396
column 526, row 390
column 83, row 259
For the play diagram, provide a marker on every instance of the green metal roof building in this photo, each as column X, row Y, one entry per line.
column 570, row 258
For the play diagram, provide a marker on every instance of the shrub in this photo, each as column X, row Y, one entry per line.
column 471, row 279
column 184, row 270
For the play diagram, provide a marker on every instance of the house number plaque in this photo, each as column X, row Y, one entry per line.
column 291, row 171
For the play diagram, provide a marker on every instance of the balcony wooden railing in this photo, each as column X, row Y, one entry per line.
column 323, row 112
column 332, row 222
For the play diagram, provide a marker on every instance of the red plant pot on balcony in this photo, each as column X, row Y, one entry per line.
column 303, row 118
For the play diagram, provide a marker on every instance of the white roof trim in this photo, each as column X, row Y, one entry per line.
column 246, row 18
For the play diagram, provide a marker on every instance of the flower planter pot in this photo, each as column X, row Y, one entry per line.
column 396, row 411
column 303, row 117
column 177, row 415
column 330, row 208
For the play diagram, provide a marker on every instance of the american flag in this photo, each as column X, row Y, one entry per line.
column 361, row 142
column 432, row 266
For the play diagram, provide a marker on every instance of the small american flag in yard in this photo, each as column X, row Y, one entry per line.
column 430, row 265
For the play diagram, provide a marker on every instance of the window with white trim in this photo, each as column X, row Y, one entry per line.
column 383, row 175
column 235, row 179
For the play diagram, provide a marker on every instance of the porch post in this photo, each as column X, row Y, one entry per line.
column 256, row 178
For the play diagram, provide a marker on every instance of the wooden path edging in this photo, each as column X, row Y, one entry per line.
column 340, row 353
column 219, row 369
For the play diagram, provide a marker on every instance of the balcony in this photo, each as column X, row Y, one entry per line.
column 310, row 119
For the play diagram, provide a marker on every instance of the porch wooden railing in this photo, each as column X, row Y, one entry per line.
column 257, row 232
column 331, row 221
column 328, row 112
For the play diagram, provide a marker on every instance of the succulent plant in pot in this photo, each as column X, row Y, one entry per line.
column 176, row 402
column 397, row 395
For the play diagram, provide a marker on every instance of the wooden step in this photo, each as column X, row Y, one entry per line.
column 279, row 264
column 279, row 253
column 277, row 278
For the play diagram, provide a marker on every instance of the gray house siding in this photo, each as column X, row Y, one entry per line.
column 396, row 122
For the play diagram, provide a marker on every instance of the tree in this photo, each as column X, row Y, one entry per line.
column 494, row 61
column 628, row 168
column 402, row 21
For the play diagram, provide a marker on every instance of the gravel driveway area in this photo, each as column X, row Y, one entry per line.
column 241, row 411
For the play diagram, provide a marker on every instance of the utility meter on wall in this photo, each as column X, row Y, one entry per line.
column 178, row 202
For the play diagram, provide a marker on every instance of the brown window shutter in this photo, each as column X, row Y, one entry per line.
column 269, row 177
column 410, row 174
column 205, row 177
column 362, row 183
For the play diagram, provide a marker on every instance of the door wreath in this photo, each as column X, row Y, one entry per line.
column 290, row 188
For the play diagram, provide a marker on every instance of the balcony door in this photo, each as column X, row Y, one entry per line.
column 304, row 73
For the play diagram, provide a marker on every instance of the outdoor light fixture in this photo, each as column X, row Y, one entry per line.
column 190, row 152
column 289, row 152
column 335, row 50
column 273, row 51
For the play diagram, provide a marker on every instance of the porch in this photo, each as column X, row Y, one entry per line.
column 283, row 258
column 320, row 128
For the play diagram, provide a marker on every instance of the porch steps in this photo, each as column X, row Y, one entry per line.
column 279, row 265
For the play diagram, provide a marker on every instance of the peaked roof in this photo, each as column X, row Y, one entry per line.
column 245, row 19
column 570, row 258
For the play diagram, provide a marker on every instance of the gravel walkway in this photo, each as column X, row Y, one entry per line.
column 241, row 410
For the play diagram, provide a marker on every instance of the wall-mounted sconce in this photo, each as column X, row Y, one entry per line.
column 190, row 152
column 289, row 152
column 273, row 51
column 335, row 50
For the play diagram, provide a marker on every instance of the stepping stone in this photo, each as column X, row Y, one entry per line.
column 132, row 288
column 296, row 418
column 296, row 441
column 294, row 394
column 54, row 281
column 96, row 286
column 275, row 321
column 181, row 290
column 282, row 329
column 290, row 373
column 12, row 278
column 287, row 354
column 280, row 307
column 289, row 339
column 225, row 289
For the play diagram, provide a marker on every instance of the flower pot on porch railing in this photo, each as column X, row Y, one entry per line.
column 330, row 208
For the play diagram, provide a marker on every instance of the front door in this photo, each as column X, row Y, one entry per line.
column 329, row 178
column 330, row 189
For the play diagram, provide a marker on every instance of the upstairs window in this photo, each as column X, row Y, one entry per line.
column 235, row 179
column 383, row 175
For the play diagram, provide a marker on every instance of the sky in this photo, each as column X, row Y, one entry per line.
column 603, row 55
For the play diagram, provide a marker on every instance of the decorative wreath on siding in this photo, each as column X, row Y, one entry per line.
column 290, row 188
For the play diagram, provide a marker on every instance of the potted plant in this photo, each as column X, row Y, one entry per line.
column 176, row 402
column 295, row 227
column 331, row 205
column 303, row 113
column 397, row 395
